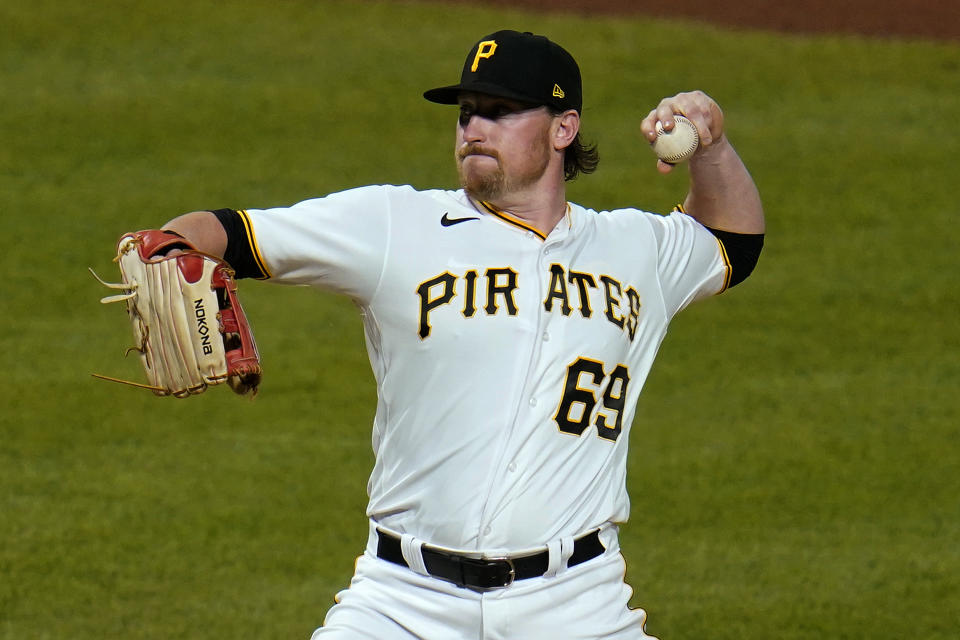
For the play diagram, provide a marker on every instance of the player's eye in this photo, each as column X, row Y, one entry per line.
column 493, row 111
column 486, row 112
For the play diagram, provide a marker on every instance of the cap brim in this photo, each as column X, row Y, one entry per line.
column 451, row 94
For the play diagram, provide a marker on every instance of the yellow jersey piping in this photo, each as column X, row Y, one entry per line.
column 723, row 254
column 254, row 248
column 726, row 263
column 514, row 221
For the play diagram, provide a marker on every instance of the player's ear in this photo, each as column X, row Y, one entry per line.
column 565, row 129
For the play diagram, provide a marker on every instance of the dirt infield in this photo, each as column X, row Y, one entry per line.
column 936, row 19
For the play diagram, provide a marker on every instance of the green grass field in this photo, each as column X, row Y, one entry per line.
column 795, row 465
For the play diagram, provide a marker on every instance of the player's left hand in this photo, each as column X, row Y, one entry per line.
column 699, row 108
column 188, row 325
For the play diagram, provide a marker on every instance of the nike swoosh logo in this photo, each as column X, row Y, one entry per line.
column 447, row 221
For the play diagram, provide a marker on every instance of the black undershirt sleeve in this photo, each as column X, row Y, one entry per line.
column 239, row 254
column 743, row 252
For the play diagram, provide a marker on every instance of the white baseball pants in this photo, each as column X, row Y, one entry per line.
column 388, row 602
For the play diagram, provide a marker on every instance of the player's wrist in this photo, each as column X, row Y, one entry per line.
column 718, row 148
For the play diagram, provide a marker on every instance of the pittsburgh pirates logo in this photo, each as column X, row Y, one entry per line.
column 620, row 304
column 485, row 49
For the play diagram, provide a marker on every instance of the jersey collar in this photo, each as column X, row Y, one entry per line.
column 517, row 222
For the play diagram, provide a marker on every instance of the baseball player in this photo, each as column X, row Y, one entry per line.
column 510, row 333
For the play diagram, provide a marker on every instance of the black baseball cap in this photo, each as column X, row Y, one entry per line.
column 519, row 66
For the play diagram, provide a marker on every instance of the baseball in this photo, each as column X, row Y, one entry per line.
column 678, row 144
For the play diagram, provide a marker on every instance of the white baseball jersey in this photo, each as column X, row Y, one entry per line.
column 508, row 361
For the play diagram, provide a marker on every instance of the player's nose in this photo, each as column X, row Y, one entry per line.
column 473, row 128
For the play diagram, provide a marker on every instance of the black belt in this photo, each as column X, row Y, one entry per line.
column 486, row 573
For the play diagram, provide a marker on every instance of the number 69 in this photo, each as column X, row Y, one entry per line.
column 585, row 380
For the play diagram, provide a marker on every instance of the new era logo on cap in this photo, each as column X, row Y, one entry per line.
column 519, row 66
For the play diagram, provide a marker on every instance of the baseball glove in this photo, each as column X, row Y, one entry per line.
column 188, row 325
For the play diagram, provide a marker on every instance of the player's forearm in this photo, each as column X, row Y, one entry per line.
column 202, row 230
column 722, row 192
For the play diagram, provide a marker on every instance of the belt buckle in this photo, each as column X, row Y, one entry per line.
column 512, row 575
column 495, row 561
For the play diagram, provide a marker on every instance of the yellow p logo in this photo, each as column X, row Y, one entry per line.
column 485, row 50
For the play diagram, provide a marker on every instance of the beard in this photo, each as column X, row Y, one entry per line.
column 481, row 185
column 490, row 184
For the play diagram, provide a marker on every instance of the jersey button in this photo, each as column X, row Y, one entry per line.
column 512, row 467
column 546, row 336
column 533, row 402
